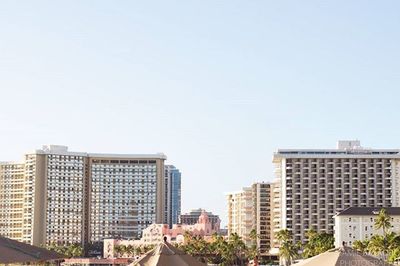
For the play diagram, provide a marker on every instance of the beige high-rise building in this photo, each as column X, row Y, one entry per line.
column 69, row 197
column 314, row 184
column 275, row 216
column 12, row 179
column 240, row 214
column 261, row 193
column 250, row 209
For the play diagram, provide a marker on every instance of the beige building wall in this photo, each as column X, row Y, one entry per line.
column 38, row 225
column 275, row 216
column 262, row 215
column 11, row 199
column 240, row 214
column 29, row 198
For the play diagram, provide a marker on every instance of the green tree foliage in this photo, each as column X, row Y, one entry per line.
column 231, row 251
column 376, row 245
column 383, row 221
column 385, row 246
column 317, row 243
column 69, row 251
column 288, row 251
column 361, row 246
column 130, row 251
column 394, row 254
column 253, row 252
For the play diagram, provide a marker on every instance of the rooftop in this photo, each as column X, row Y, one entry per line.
column 344, row 148
column 368, row 211
column 63, row 150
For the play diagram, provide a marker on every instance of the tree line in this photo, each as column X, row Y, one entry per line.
column 221, row 251
column 317, row 243
column 69, row 251
column 131, row 250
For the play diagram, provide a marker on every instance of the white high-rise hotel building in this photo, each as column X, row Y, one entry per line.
column 55, row 195
column 314, row 184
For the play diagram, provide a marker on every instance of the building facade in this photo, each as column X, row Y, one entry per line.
column 192, row 217
column 275, row 216
column 70, row 197
column 12, row 196
column 248, row 210
column 240, row 214
column 314, row 184
column 172, row 205
column 261, row 193
column 358, row 223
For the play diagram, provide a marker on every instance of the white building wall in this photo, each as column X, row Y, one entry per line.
column 349, row 228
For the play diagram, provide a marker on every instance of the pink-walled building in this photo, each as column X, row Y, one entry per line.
column 155, row 234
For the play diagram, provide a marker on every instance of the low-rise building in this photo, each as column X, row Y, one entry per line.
column 193, row 216
column 155, row 234
column 358, row 223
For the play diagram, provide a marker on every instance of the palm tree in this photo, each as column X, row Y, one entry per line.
column 394, row 255
column 124, row 250
column 376, row 245
column 361, row 245
column 317, row 243
column 383, row 221
column 253, row 251
column 130, row 250
column 284, row 235
column 287, row 250
column 139, row 250
column 75, row 250
column 239, row 247
column 219, row 249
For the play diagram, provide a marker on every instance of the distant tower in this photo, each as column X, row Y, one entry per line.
column 172, row 183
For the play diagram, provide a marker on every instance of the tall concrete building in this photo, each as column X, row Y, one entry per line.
column 172, row 205
column 250, row 209
column 12, row 179
column 314, row 184
column 262, row 214
column 275, row 209
column 70, row 197
column 240, row 214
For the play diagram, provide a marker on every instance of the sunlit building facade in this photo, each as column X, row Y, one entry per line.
column 250, row 210
column 315, row 184
column 58, row 196
column 12, row 180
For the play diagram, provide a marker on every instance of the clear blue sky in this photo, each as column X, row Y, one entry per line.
column 216, row 85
